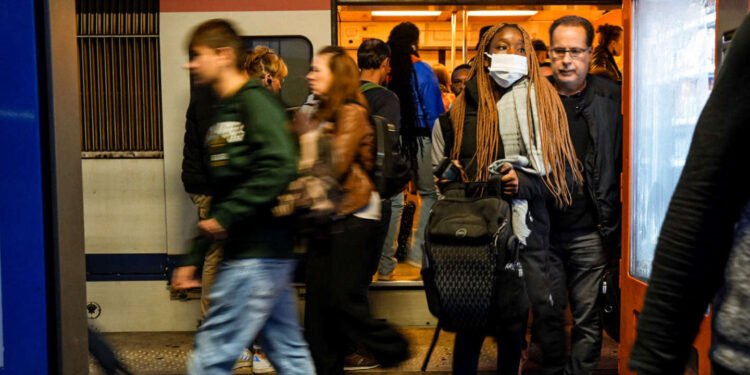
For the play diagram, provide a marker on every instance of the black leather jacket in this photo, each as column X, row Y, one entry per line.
column 603, row 164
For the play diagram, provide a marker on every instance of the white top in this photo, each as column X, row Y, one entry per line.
column 373, row 209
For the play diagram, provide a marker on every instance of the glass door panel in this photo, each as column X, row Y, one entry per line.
column 673, row 71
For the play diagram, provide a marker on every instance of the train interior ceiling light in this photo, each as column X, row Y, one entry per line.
column 502, row 13
column 405, row 13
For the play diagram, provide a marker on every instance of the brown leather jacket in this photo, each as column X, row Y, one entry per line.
column 353, row 157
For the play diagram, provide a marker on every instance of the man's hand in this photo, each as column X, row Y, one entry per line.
column 509, row 179
column 212, row 229
column 184, row 278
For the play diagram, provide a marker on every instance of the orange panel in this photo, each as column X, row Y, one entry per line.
column 632, row 291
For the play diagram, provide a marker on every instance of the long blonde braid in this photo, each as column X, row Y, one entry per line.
column 557, row 148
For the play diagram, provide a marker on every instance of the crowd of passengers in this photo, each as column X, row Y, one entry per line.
column 555, row 110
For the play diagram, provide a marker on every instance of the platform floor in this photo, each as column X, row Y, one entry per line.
column 165, row 353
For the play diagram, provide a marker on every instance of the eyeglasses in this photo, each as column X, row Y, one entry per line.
column 558, row 53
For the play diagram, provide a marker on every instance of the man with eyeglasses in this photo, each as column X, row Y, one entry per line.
column 584, row 237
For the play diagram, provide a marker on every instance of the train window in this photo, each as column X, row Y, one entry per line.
column 297, row 52
column 118, row 47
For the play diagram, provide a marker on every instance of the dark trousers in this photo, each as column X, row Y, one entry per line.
column 541, row 269
column 337, row 311
column 585, row 260
column 468, row 346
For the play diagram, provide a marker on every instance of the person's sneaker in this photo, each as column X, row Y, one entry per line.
column 261, row 365
column 245, row 360
column 360, row 361
column 385, row 277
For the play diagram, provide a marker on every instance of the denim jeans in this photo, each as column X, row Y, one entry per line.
column 251, row 298
column 585, row 261
column 428, row 196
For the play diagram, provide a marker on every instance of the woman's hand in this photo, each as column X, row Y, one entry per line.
column 509, row 180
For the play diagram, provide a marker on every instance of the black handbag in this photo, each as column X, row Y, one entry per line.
column 472, row 276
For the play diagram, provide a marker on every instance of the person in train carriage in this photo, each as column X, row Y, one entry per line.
column 489, row 125
column 610, row 45
column 444, row 82
column 337, row 311
column 421, row 101
column 542, row 55
column 263, row 64
column 458, row 77
column 251, row 160
column 585, row 236
column 373, row 59
column 702, row 258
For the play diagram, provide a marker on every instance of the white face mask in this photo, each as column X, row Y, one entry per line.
column 506, row 69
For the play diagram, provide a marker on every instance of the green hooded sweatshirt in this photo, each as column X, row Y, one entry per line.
column 251, row 159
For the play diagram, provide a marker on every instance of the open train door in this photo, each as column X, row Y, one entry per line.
column 672, row 52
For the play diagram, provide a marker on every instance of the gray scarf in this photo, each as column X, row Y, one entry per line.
column 522, row 150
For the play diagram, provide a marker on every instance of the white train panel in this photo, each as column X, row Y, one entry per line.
column 123, row 206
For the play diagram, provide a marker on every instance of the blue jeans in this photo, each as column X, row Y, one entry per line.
column 428, row 197
column 251, row 298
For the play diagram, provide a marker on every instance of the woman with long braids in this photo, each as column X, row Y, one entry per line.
column 417, row 89
column 610, row 45
column 508, row 126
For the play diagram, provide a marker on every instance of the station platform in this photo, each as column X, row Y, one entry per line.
column 165, row 353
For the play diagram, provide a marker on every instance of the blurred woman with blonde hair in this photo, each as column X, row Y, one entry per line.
column 266, row 65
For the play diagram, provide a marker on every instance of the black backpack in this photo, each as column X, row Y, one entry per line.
column 391, row 167
column 472, row 275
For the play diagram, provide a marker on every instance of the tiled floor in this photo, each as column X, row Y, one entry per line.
column 165, row 353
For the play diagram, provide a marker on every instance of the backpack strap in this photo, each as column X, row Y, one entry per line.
column 367, row 86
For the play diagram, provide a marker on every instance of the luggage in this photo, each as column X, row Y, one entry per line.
column 472, row 275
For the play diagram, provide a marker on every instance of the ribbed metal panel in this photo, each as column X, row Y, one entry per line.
column 118, row 44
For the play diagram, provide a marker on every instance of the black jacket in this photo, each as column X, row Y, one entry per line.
column 602, row 111
column 194, row 159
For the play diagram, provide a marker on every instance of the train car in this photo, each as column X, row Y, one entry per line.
column 95, row 215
